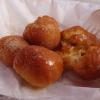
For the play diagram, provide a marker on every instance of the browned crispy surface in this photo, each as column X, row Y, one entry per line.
column 9, row 46
column 88, row 66
column 81, row 52
column 38, row 66
column 44, row 31
column 76, row 35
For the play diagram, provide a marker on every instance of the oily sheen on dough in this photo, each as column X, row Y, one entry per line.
column 39, row 66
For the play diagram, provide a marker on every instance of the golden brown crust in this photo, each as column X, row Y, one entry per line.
column 74, row 41
column 88, row 67
column 38, row 65
column 44, row 31
column 81, row 52
column 71, row 55
column 78, row 36
column 9, row 46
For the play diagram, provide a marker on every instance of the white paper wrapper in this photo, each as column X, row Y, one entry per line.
column 14, row 16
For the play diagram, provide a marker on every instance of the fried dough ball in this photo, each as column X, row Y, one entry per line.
column 73, row 39
column 88, row 66
column 81, row 52
column 83, row 62
column 78, row 36
column 44, row 31
column 39, row 66
column 9, row 46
